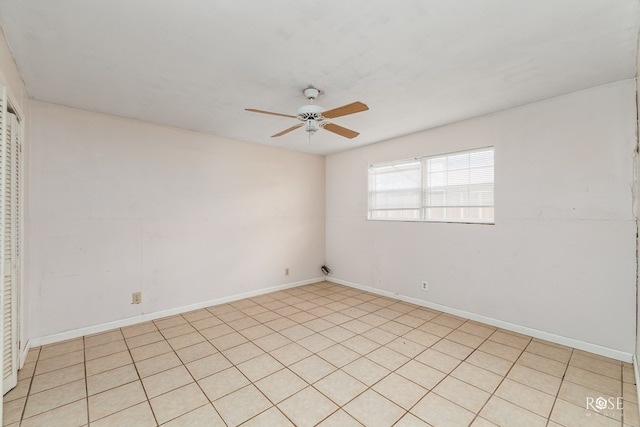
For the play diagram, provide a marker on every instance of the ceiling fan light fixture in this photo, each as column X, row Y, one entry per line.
column 311, row 126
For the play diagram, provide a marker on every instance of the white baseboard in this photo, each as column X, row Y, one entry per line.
column 558, row 339
column 76, row 333
column 23, row 354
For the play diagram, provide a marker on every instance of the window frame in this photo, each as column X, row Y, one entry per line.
column 422, row 206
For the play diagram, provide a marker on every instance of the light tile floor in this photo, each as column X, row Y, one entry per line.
column 324, row 355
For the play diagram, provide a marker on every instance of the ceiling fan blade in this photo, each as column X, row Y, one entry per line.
column 288, row 130
column 253, row 110
column 342, row 131
column 354, row 107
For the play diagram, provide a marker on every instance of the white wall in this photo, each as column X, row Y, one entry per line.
column 120, row 206
column 561, row 256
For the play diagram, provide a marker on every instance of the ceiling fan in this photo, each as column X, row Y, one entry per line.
column 314, row 117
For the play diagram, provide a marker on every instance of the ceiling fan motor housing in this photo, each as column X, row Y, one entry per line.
column 310, row 112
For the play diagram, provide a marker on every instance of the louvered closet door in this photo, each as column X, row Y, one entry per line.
column 11, row 246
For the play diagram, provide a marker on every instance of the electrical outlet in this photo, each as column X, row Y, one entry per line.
column 286, row 271
column 425, row 285
column 136, row 298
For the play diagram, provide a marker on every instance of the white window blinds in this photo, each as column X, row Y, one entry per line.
column 395, row 191
column 452, row 187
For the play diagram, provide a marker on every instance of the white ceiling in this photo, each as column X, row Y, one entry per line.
column 416, row 63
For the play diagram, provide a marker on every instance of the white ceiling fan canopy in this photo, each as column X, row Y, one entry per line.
column 311, row 92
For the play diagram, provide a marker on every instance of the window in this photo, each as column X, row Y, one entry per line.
column 452, row 187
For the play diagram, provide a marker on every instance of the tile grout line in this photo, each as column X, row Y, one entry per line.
column 557, row 396
column 622, row 388
column 504, row 377
column 33, row 375
column 144, row 390
column 86, row 377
